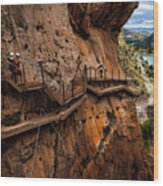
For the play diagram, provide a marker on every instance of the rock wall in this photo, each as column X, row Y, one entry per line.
column 89, row 144
column 102, row 138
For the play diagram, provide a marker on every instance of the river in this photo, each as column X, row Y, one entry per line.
column 149, row 59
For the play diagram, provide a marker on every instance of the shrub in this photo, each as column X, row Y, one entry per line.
column 136, row 82
column 147, row 131
column 136, row 66
column 150, row 112
column 110, row 115
column 11, row 119
column 142, row 92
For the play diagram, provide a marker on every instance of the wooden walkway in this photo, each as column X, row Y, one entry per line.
column 31, row 79
column 127, row 79
column 65, row 94
column 69, row 98
column 10, row 131
column 24, row 88
column 112, row 90
column 96, row 74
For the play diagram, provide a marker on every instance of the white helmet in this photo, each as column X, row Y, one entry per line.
column 17, row 54
column 11, row 54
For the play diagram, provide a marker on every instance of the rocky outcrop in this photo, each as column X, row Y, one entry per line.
column 99, row 24
column 102, row 138
column 106, row 16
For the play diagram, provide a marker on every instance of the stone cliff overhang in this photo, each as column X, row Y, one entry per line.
column 104, row 16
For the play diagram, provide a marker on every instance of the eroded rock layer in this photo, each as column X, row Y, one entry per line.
column 102, row 138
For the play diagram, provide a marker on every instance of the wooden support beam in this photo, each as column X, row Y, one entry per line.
column 105, row 70
column 42, row 74
column 85, row 70
column 118, row 74
column 24, row 76
column 72, row 88
column 84, row 83
column 60, row 82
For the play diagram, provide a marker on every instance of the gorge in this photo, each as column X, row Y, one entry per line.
column 101, row 138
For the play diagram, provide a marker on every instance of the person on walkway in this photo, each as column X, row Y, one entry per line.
column 11, row 66
column 17, row 68
column 101, row 70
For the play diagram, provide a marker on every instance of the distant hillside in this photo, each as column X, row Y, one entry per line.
column 134, row 35
column 142, row 40
column 146, row 30
column 148, row 42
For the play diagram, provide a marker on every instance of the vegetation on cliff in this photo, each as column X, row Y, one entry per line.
column 129, row 58
column 142, row 41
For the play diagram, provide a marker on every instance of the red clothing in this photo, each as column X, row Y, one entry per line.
column 17, row 64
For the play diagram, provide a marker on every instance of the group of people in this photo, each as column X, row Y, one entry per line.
column 14, row 67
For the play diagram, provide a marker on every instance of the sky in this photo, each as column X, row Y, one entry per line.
column 142, row 18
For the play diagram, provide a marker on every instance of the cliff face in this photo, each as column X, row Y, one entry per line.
column 102, row 138
column 99, row 24
column 89, row 144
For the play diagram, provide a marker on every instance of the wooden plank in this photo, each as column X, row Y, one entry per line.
column 11, row 83
column 21, row 88
column 40, row 121
column 112, row 90
column 110, row 80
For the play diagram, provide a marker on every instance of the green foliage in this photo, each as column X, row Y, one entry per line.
column 11, row 119
column 129, row 61
column 150, row 72
column 110, row 115
column 136, row 66
column 151, row 67
column 147, row 131
column 142, row 92
column 136, row 82
column 145, row 43
column 150, row 112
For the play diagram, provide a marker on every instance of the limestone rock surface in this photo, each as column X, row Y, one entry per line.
column 102, row 139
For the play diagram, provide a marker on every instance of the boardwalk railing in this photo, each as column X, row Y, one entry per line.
column 34, row 75
column 66, row 92
column 30, row 75
column 96, row 74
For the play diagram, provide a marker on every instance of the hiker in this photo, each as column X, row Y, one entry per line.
column 101, row 70
column 18, row 72
column 11, row 66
